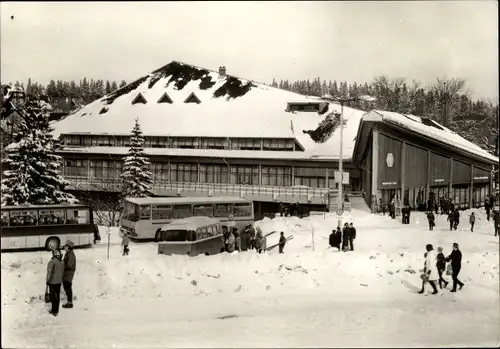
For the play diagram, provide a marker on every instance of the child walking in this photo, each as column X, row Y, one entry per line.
column 125, row 242
column 441, row 265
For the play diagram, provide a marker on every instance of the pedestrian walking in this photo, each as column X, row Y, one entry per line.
column 69, row 261
column 456, row 219
column 282, row 242
column 496, row 222
column 345, row 238
column 431, row 274
column 441, row 266
column 55, row 271
column 125, row 242
column 259, row 241
column 252, row 237
column 472, row 220
column 456, row 264
column 451, row 219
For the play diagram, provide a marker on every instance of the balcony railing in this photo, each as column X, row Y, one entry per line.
column 272, row 193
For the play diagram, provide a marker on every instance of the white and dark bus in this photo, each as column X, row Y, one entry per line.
column 142, row 218
column 46, row 226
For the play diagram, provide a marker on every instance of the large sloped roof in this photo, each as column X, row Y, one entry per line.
column 258, row 111
column 432, row 129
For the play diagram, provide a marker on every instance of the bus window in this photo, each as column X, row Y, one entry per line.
column 145, row 212
column 173, row 235
column 242, row 210
column 191, row 236
column 205, row 210
column 223, row 210
column 130, row 212
column 182, row 211
column 5, row 218
column 49, row 217
column 162, row 212
column 202, row 233
column 23, row 217
column 77, row 216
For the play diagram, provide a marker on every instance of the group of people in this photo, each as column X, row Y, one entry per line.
column 435, row 266
column 250, row 239
column 61, row 270
column 344, row 238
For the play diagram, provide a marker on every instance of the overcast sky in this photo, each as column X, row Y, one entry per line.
column 353, row 41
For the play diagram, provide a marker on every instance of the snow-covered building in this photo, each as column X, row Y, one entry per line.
column 422, row 159
column 210, row 133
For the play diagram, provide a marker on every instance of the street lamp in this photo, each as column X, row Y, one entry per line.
column 340, row 208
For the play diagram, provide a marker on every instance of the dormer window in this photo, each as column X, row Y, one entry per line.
column 165, row 98
column 306, row 107
column 139, row 99
column 192, row 99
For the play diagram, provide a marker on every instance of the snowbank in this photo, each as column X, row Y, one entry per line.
column 384, row 268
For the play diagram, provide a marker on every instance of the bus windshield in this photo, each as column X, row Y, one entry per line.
column 130, row 212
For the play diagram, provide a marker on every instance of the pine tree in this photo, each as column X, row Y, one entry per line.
column 114, row 86
column 136, row 176
column 107, row 89
column 31, row 172
column 123, row 83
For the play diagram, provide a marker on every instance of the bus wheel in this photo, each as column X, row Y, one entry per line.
column 157, row 236
column 52, row 244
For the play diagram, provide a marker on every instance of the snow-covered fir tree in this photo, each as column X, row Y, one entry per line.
column 136, row 176
column 31, row 171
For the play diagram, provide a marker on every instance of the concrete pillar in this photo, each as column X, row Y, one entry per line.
column 403, row 172
column 199, row 171
column 375, row 146
column 260, row 173
column 471, row 188
column 428, row 186
column 450, row 185
column 169, row 171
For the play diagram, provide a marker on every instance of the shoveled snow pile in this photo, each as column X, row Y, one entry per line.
column 137, row 293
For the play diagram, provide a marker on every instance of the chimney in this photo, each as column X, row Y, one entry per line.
column 222, row 72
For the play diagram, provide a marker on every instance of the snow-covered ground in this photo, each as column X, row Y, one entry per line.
column 301, row 298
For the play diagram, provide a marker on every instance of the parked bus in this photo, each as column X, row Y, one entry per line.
column 142, row 218
column 191, row 236
column 46, row 226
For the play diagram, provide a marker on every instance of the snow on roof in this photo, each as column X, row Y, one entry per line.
column 437, row 132
column 210, row 153
column 258, row 113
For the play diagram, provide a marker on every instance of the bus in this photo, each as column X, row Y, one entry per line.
column 46, row 226
column 191, row 236
column 142, row 218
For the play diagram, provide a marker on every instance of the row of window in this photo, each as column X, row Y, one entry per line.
column 27, row 217
column 164, row 212
column 208, row 173
column 182, row 142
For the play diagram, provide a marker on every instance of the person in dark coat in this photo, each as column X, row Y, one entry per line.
column 345, row 238
column 252, row 236
column 472, row 220
column 487, row 208
column 456, row 220
column 441, row 265
column 431, row 218
column 259, row 241
column 496, row 222
column 351, row 236
column 69, row 272
column 125, row 242
column 282, row 242
column 237, row 239
column 245, row 239
column 456, row 264
column 55, row 271
column 451, row 219
column 336, row 238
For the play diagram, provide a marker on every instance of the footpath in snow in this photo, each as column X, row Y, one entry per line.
column 301, row 298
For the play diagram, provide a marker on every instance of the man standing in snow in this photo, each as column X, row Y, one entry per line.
column 352, row 236
column 487, row 207
column 456, row 220
column 252, row 236
column 431, row 218
column 69, row 272
column 431, row 270
column 55, row 271
column 125, row 242
column 336, row 238
column 472, row 220
column 496, row 222
column 282, row 242
column 456, row 264
column 345, row 238
column 230, row 242
column 451, row 219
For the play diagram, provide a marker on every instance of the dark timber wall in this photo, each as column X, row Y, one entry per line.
column 415, row 167
column 389, row 171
